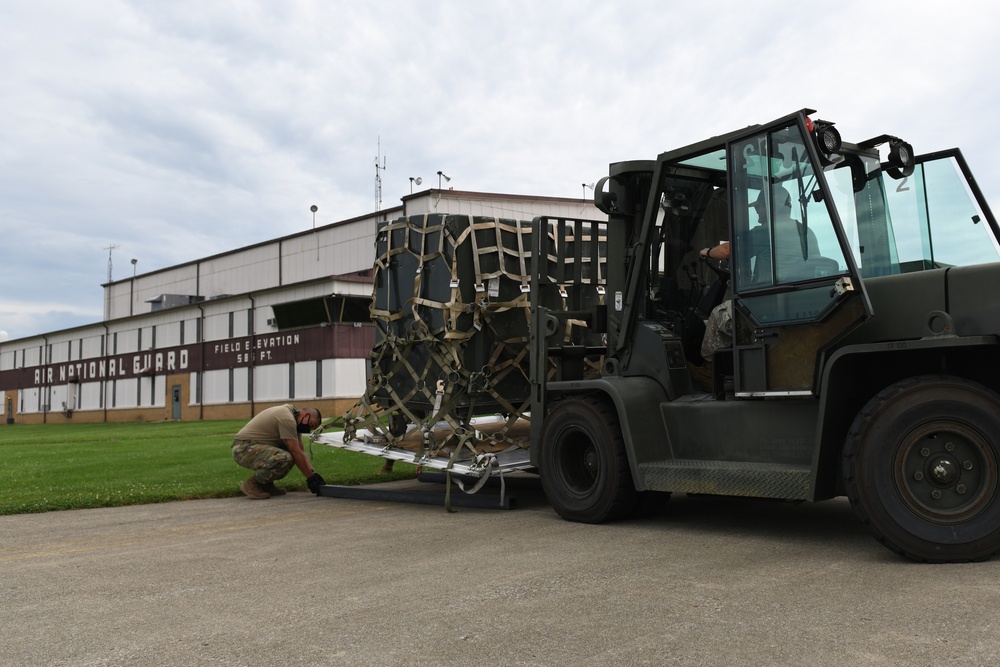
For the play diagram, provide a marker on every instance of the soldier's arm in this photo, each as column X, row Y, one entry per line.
column 299, row 456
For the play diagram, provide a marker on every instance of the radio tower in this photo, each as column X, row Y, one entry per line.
column 110, row 248
column 379, row 168
column 107, row 301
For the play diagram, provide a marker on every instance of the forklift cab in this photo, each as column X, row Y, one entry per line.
column 792, row 279
column 808, row 218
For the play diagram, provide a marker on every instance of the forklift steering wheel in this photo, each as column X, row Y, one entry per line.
column 717, row 266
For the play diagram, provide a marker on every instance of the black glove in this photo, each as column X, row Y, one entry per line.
column 314, row 482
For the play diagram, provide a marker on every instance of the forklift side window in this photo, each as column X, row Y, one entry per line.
column 927, row 220
column 937, row 219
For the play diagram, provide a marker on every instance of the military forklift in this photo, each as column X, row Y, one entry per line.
column 862, row 349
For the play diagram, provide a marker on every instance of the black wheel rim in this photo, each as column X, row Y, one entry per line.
column 945, row 472
column 578, row 462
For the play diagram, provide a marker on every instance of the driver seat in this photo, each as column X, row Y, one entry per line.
column 694, row 320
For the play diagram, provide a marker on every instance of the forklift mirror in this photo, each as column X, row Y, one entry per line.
column 859, row 175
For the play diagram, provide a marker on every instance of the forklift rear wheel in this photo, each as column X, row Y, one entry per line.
column 922, row 469
column 583, row 464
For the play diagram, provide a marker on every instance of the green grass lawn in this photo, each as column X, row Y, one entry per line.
column 49, row 467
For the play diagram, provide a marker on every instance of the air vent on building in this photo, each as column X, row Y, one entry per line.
column 172, row 301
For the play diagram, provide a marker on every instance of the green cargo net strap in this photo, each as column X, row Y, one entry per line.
column 522, row 255
column 486, row 463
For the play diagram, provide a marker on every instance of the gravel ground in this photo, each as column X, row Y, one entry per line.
column 301, row 580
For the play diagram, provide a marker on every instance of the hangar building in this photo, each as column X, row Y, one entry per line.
column 226, row 336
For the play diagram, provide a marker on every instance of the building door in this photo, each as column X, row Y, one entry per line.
column 175, row 402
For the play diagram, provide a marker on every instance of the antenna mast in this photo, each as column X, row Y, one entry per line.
column 107, row 299
column 379, row 168
column 110, row 248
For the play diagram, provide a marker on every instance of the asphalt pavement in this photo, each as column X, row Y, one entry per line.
column 305, row 580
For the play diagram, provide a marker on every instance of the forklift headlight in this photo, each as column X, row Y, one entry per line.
column 901, row 154
column 901, row 157
column 828, row 139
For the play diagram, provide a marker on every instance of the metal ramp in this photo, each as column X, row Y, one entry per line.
column 469, row 471
column 512, row 459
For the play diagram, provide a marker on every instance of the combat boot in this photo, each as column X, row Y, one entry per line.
column 272, row 489
column 253, row 489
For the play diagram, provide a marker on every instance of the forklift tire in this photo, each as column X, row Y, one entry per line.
column 583, row 463
column 921, row 469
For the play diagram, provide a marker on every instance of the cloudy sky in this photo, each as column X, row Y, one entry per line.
column 177, row 130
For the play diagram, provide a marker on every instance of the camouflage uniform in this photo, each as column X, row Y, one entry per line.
column 259, row 447
column 267, row 461
column 718, row 330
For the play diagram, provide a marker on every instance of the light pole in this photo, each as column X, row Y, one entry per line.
column 315, row 208
column 131, row 310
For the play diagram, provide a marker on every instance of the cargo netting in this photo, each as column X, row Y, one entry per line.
column 451, row 304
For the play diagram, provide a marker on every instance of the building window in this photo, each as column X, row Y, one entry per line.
column 332, row 309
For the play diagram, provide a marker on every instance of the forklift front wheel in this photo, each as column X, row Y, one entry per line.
column 583, row 463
